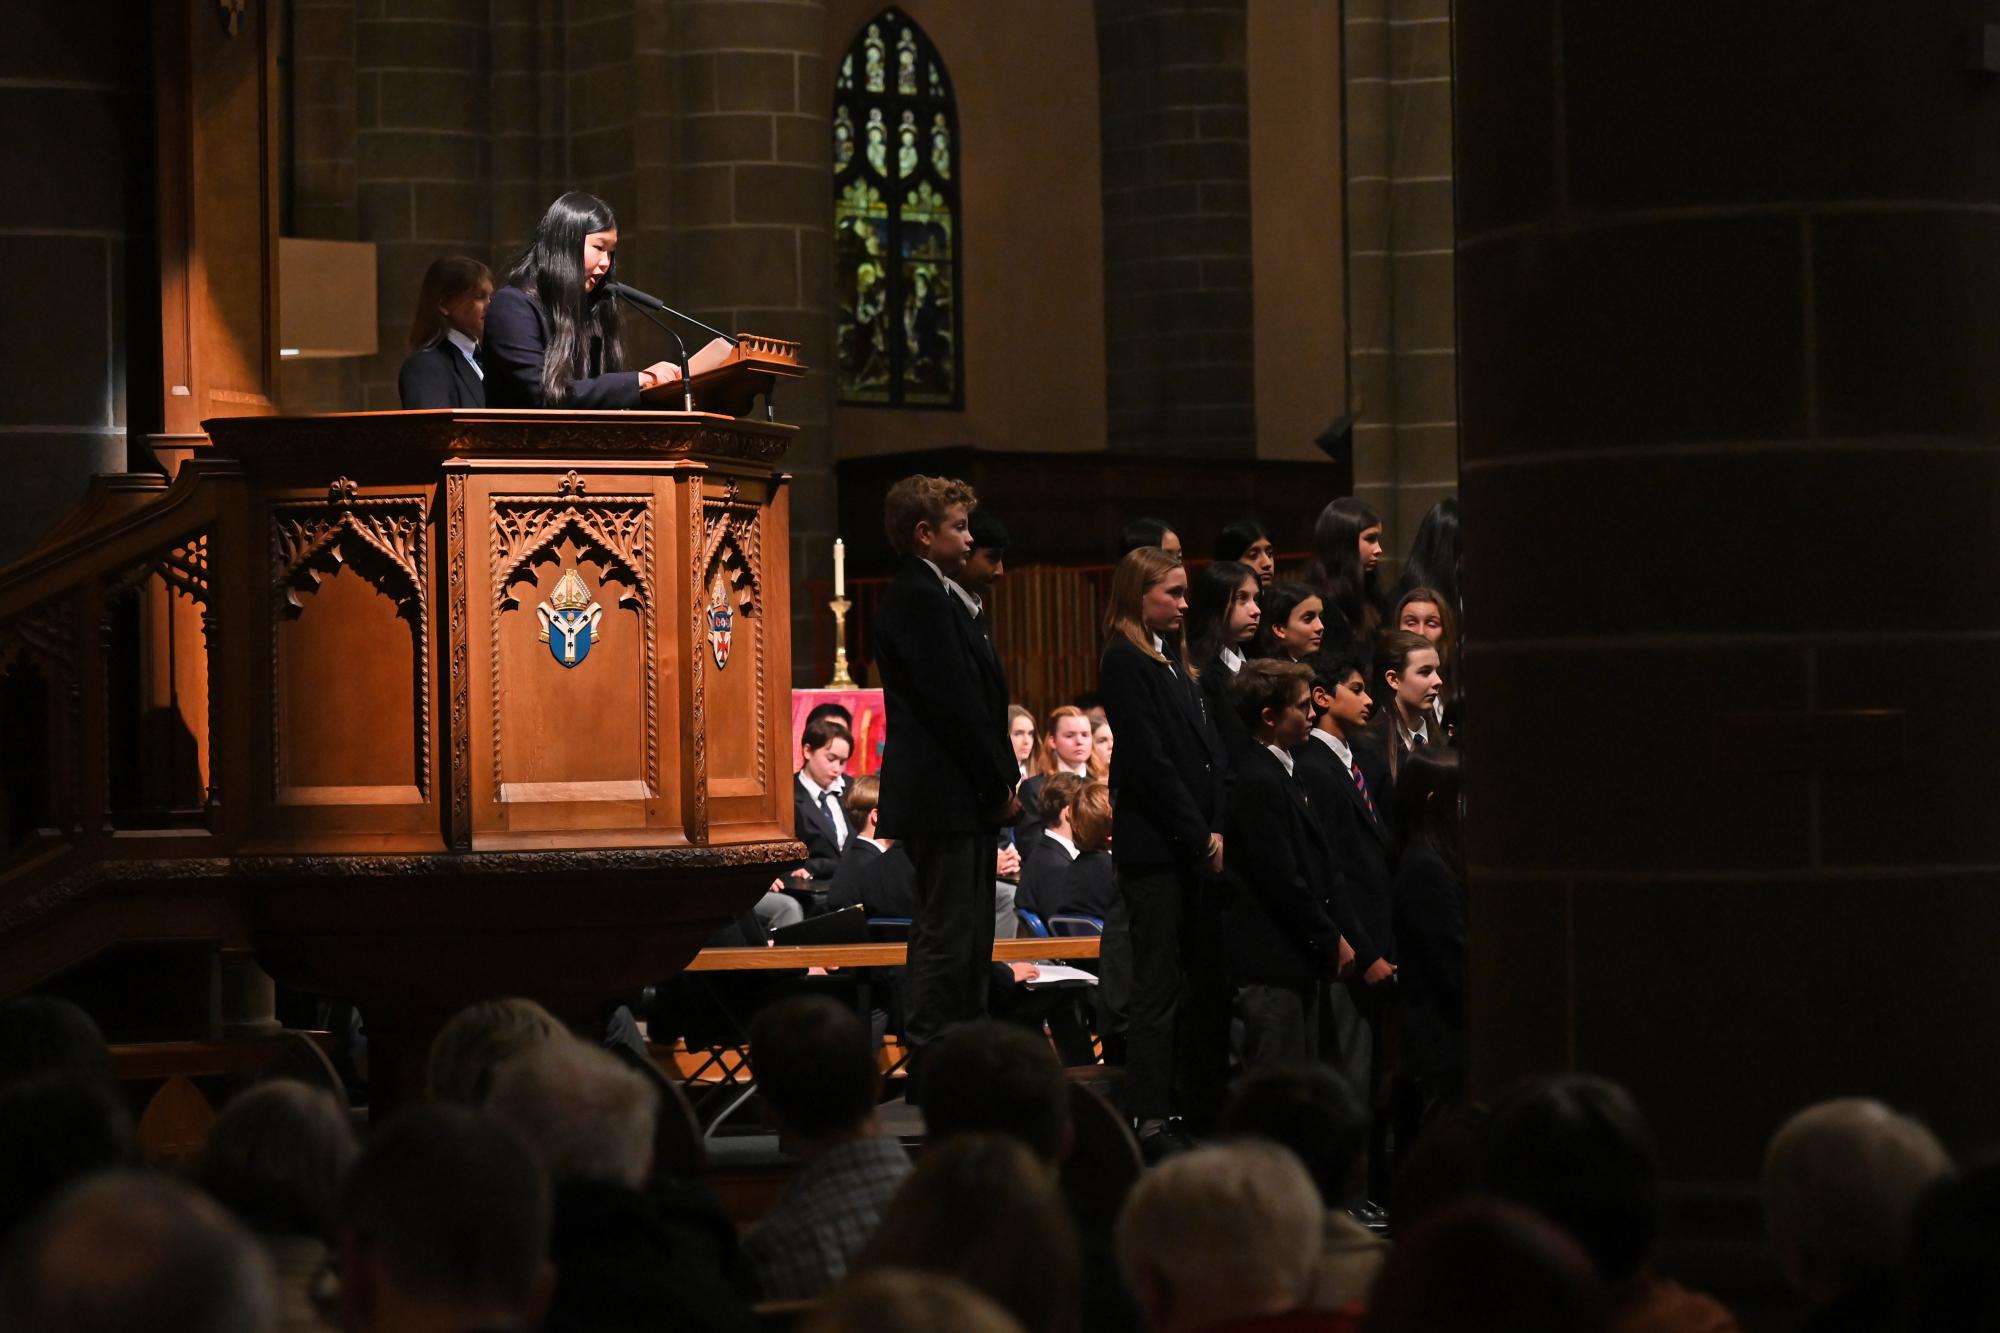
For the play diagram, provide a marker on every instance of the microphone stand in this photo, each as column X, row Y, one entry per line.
column 687, row 384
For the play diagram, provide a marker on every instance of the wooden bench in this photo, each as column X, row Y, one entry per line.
column 789, row 957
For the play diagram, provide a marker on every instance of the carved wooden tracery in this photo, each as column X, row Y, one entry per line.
column 732, row 547
column 385, row 540
column 616, row 531
column 183, row 569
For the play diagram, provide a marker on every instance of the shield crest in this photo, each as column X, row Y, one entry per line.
column 571, row 621
column 720, row 620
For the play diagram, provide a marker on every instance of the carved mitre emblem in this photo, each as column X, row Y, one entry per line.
column 720, row 620
column 571, row 621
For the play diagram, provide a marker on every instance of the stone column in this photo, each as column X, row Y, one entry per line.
column 1178, row 319
column 1729, row 416
column 753, row 223
column 74, row 222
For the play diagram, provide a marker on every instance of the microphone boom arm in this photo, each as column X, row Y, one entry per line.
column 687, row 383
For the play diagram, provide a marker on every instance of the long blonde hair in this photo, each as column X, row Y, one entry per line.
column 1125, row 613
column 1049, row 765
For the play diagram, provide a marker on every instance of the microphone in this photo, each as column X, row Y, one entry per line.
column 648, row 302
column 612, row 291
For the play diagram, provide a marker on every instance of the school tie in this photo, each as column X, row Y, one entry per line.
column 826, row 805
column 1366, row 799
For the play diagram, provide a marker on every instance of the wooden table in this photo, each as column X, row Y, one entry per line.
column 787, row 957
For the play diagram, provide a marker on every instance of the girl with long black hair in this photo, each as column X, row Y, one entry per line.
column 1222, row 620
column 1293, row 627
column 1347, row 547
column 1433, row 561
column 552, row 334
column 1246, row 543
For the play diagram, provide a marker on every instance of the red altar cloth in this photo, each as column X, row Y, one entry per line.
column 871, row 724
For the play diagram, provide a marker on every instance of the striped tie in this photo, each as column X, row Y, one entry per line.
column 1367, row 800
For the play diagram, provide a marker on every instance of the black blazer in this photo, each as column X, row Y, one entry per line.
column 1216, row 690
column 517, row 335
column 1363, row 852
column 439, row 376
column 809, row 822
column 1430, row 978
column 883, row 883
column 1277, row 928
column 1090, row 888
column 1167, row 768
column 947, row 763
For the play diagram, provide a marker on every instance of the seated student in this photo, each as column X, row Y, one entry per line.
column 443, row 368
column 1406, row 682
column 1430, row 934
column 1021, row 735
column 1066, row 748
column 1293, row 625
column 1045, row 864
column 873, row 872
column 1577, row 1150
column 1349, row 784
column 1075, row 876
column 1280, row 944
column 1246, row 543
column 814, row 1062
column 817, row 819
column 1100, row 744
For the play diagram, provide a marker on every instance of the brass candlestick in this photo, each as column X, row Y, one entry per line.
column 841, row 680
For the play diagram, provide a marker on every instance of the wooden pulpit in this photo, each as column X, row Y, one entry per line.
column 416, row 708
column 729, row 378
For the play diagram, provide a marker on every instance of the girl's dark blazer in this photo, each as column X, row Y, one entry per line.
column 1168, row 769
column 517, row 336
column 1431, row 940
column 438, row 375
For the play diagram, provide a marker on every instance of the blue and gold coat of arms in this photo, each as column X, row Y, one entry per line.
column 720, row 620
column 571, row 620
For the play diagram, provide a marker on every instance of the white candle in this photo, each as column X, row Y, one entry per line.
column 839, row 568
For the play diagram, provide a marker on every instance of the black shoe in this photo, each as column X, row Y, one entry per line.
column 1371, row 1215
column 1163, row 1141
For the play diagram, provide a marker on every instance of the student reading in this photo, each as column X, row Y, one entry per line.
column 552, row 336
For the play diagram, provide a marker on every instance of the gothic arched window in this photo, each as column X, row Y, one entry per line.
column 895, row 220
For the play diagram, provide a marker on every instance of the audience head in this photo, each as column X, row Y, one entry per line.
column 1434, row 554
column 1090, row 818
column 1425, row 611
column 1021, row 732
column 588, row 1114
column 1443, row 1165
column 824, row 748
column 931, row 517
column 55, row 1129
column 1101, row 744
column 1066, row 742
column 1274, row 699
column 138, row 1252
column 1058, row 795
column 1148, row 598
column 1221, row 1233
column 1840, row 1182
column 977, row 1209
column 1340, row 691
column 1408, row 676
column 1577, row 1150
column 1245, row 542
column 479, row 1039
column 863, row 794
column 445, row 1214
column 1092, row 704
column 454, row 295
column 1312, row 1111
column 1347, row 547
column 993, row 1077
column 902, row 1300
column 277, row 1157
column 1484, row 1266
column 987, row 561
column 1951, row 1283
column 833, row 712
column 1293, row 622
column 1427, row 804
column 1223, row 611
column 1153, row 532
column 565, row 266
column 815, row 1067
column 46, row 1034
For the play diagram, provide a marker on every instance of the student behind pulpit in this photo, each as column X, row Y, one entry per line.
column 552, row 336
column 1167, row 780
column 1406, row 681
column 1280, row 943
column 817, row 817
column 1222, row 621
column 443, row 368
column 948, row 772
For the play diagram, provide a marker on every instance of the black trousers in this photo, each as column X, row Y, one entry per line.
column 1280, row 1023
column 951, row 936
column 1177, row 1034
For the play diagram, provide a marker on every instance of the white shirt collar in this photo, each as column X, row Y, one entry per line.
column 814, row 790
column 1068, row 846
column 1082, row 770
column 1283, row 758
column 1341, row 750
column 971, row 602
column 1422, row 729
column 879, row 844
column 468, row 349
column 1437, row 708
column 1233, row 660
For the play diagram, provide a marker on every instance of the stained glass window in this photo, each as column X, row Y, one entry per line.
column 895, row 219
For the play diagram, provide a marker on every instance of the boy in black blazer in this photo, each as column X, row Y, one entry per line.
column 948, row 771
column 873, row 872
column 817, row 817
column 1280, row 942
